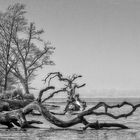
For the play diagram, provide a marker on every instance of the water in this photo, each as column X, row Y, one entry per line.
column 51, row 132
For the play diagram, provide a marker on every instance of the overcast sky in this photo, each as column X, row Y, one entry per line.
column 99, row 39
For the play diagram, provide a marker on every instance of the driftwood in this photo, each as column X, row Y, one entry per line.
column 17, row 117
column 73, row 100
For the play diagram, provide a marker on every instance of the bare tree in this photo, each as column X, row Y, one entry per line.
column 32, row 53
column 71, row 85
column 11, row 22
column 22, row 51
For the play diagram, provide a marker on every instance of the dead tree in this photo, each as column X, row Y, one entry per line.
column 73, row 98
column 18, row 116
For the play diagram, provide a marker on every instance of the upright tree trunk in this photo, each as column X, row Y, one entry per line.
column 25, row 85
column 5, row 81
column 7, row 62
column 26, row 88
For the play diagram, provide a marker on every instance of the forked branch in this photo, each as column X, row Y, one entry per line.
column 52, row 94
column 42, row 91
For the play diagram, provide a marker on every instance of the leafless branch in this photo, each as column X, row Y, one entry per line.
column 52, row 94
column 42, row 91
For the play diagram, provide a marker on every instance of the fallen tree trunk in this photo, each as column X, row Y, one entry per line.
column 17, row 117
column 64, row 124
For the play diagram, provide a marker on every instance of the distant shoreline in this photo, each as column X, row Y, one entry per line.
column 99, row 99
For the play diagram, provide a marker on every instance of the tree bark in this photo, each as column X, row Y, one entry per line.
column 18, row 118
column 24, row 83
column 5, row 81
column 26, row 88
